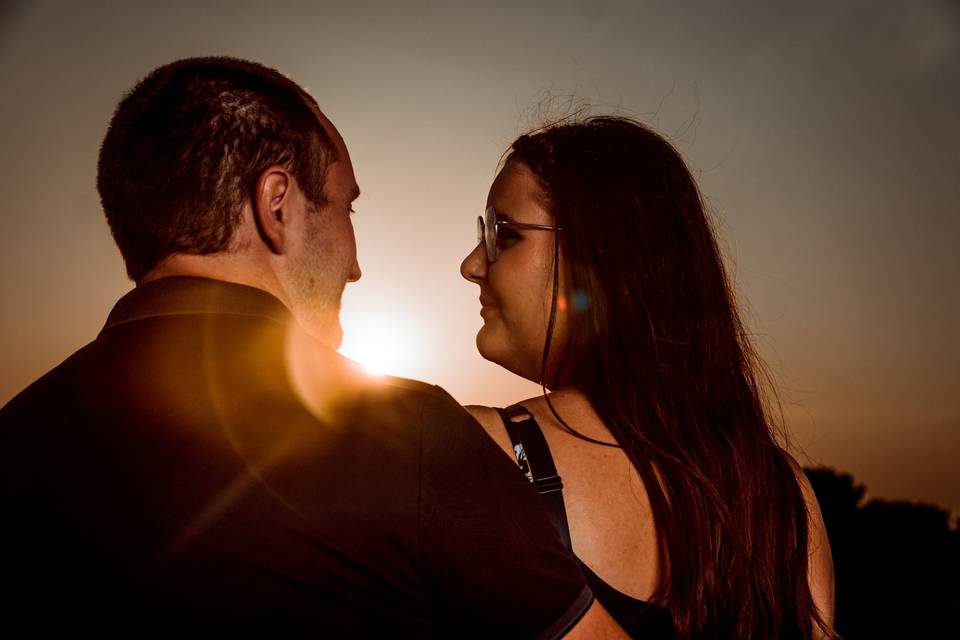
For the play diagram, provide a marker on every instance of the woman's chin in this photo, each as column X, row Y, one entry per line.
column 483, row 343
column 492, row 346
column 498, row 351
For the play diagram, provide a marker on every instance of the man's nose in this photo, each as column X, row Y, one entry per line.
column 354, row 271
column 474, row 266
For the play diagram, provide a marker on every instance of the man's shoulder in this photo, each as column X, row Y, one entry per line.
column 46, row 392
column 411, row 385
column 431, row 396
column 408, row 400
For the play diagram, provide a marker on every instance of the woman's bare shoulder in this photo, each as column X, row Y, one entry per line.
column 820, row 564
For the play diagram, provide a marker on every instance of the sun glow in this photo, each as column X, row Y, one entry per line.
column 385, row 344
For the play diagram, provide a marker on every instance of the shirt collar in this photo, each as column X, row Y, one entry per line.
column 182, row 295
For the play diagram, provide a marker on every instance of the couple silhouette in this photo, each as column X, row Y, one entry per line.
column 211, row 463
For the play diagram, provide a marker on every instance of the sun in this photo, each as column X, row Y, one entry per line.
column 384, row 344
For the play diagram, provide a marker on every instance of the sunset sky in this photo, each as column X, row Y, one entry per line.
column 825, row 137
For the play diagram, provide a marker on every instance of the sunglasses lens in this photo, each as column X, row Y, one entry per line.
column 490, row 233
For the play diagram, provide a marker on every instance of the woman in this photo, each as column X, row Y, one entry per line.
column 600, row 279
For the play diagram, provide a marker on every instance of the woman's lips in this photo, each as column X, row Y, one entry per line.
column 486, row 305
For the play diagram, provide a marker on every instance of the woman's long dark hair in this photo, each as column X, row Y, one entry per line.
column 656, row 344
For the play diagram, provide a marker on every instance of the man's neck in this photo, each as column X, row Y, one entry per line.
column 225, row 267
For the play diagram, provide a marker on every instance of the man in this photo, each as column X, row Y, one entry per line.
column 210, row 459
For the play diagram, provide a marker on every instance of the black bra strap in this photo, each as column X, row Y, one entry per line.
column 536, row 462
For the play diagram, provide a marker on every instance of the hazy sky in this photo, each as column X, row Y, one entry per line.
column 825, row 136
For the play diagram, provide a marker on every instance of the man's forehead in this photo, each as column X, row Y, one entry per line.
column 330, row 130
column 342, row 155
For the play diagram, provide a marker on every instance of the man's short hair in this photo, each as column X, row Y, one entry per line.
column 185, row 148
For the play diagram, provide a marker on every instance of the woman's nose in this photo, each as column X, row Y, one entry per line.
column 474, row 266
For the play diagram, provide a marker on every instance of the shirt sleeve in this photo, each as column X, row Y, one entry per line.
column 493, row 560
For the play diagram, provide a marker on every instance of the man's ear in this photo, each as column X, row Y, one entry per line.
column 271, row 201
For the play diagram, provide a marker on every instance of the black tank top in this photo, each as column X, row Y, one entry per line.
column 638, row 618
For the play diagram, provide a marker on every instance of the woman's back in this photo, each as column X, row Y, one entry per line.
column 611, row 526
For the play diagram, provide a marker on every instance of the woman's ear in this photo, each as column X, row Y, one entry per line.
column 272, row 195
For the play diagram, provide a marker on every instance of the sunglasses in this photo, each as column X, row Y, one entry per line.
column 488, row 231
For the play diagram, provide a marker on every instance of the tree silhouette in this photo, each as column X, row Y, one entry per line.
column 896, row 563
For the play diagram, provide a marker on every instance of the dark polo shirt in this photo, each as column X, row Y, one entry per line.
column 170, row 477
